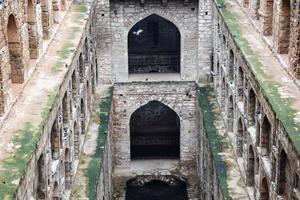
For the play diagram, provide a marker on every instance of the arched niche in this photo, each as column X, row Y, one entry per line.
column 154, row 132
column 154, row 46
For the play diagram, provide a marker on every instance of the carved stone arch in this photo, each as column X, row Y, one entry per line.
column 154, row 132
column 154, row 46
column 176, row 21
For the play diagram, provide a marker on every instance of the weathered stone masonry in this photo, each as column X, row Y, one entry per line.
column 268, row 160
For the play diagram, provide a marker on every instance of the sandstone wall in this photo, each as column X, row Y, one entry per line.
column 179, row 96
column 114, row 20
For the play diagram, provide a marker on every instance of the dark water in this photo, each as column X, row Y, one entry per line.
column 156, row 190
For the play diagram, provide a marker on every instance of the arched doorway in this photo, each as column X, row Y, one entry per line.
column 15, row 52
column 265, row 137
column 154, row 46
column 154, row 132
column 240, row 137
column 264, row 189
column 156, row 190
column 282, row 186
column 68, row 169
column 230, row 114
column 251, row 108
column 41, row 188
column 55, row 193
column 250, row 166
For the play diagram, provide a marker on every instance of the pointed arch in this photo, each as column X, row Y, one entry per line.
column 15, row 52
column 264, row 189
column 154, row 132
column 154, row 46
column 265, row 136
column 240, row 137
column 250, row 166
column 230, row 113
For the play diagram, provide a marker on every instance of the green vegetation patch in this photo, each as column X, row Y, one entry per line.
column 67, row 50
column 215, row 141
column 94, row 168
column 269, row 87
column 23, row 145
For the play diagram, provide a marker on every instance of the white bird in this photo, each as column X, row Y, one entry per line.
column 138, row 32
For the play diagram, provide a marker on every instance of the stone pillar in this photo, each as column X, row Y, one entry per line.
column 294, row 47
column 101, row 24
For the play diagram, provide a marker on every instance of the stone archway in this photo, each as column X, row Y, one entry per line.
column 154, row 46
column 240, row 137
column 15, row 52
column 264, row 189
column 154, row 132
column 250, row 166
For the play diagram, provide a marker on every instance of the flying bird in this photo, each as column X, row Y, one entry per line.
column 138, row 32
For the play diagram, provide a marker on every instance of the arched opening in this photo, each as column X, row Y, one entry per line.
column 74, row 85
column 250, row 166
column 251, row 108
column 54, row 139
column 223, row 93
column 264, row 189
column 86, row 50
column 257, row 166
column 68, row 169
column 231, row 66
column 82, row 116
column 282, row 185
column 15, row 53
column 41, row 190
column 154, row 46
column 55, row 193
column 230, row 114
column 45, row 19
column 32, row 31
column 154, row 132
column 76, row 140
column 81, row 68
column 265, row 137
column 240, row 137
column 66, row 109
column 240, row 84
column 156, row 190
column 284, row 27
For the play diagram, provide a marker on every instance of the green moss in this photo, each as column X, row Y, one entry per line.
column 215, row 142
column 269, row 87
column 80, row 7
column 12, row 169
column 94, row 167
column 25, row 142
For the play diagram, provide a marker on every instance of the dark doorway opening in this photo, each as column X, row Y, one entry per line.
column 154, row 46
column 156, row 190
column 154, row 132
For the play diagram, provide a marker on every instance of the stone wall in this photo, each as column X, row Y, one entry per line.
column 24, row 27
column 127, row 97
column 51, row 170
column 279, row 20
column 268, row 159
column 192, row 19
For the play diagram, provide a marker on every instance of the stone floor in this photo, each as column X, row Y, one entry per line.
column 271, row 65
